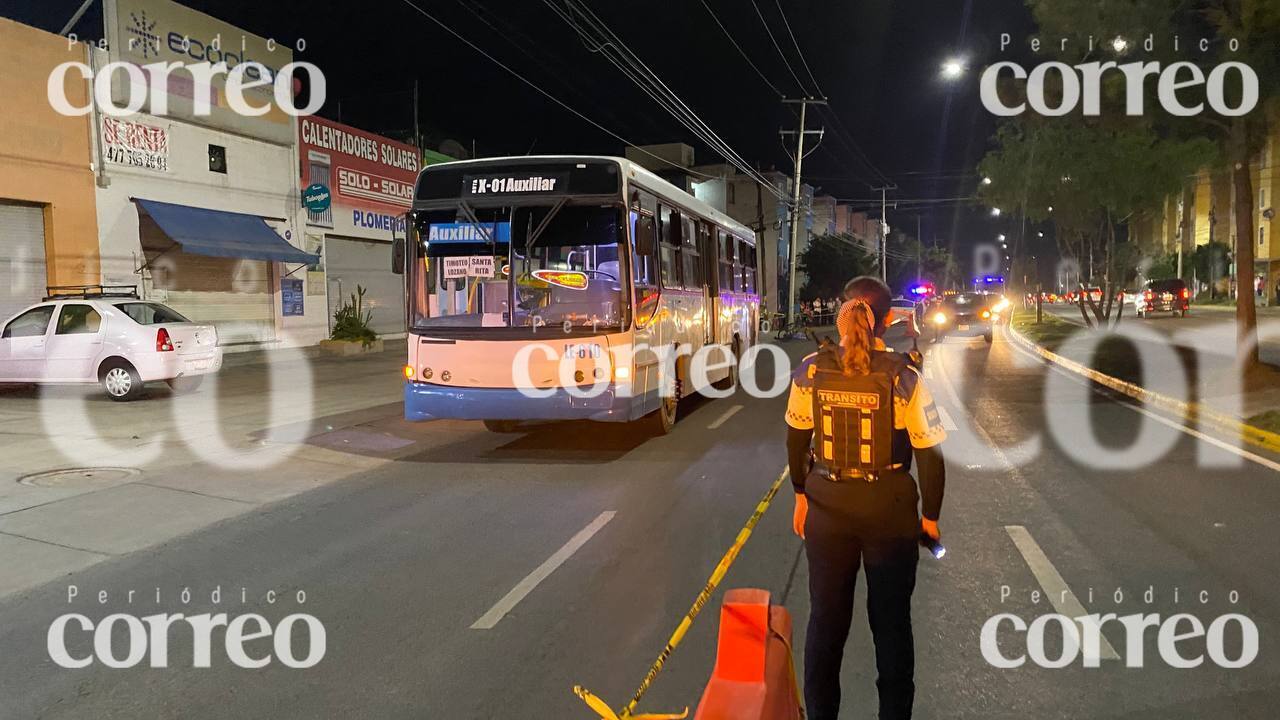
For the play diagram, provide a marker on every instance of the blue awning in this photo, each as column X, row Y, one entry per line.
column 218, row 233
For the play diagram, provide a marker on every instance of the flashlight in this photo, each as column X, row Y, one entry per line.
column 934, row 547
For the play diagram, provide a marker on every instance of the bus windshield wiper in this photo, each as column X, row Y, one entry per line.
column 475, row 220
column 542, row 226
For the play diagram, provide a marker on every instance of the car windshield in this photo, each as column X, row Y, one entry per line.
column 520, row 267
column 148, row 313
column 966, row 300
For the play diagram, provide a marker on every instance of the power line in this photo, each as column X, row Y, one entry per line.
column 846, row 139
column 604, row 41
column 778, row 47
column 742, row 52
column 635, row 70
column 534, row 85
column 799, row 52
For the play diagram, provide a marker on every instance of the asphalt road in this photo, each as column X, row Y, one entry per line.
column 401, row 562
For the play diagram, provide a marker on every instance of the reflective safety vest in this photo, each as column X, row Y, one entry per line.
column 853, row 415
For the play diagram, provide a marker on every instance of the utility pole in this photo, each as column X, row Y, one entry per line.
column 884, row 230
column 804, row 104
column 417, row 134
column 919, row 251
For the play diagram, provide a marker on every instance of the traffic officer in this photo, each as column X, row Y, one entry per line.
column 866, row 516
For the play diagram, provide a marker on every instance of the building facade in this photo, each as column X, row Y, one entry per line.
column 48, row 227
column 203, row 211
column 1205, row 212
column 369, row 180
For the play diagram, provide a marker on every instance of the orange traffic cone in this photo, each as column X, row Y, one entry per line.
column 754, row 677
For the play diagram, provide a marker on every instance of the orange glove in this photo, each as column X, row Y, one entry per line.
column 930, row 528
column 802, row 511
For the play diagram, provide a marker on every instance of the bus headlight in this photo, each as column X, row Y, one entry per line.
column 940, row 318
column 426, row 373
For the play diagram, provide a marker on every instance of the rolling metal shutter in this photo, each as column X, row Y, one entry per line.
column 366, row 263
column 22, row 264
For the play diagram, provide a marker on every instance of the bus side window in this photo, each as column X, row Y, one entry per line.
column 725, row 243
column 691, row 261
column 739, row 273
column 669, row 248
column 751, row 269
column 644, row 233
column 707, row 251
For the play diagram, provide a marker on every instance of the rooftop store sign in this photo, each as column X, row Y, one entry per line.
column 369, row 172
column 207, row 56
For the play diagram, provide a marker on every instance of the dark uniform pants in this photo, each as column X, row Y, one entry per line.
column 876, row 526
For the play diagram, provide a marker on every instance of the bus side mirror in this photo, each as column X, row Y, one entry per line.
column 644, row 236
column 397, row 256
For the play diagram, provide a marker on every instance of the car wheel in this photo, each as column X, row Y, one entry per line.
column 988, row 337
column 121, row 381
column 502, row 426
column 185, row 385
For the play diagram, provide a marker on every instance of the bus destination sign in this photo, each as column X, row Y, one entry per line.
column 473, row 185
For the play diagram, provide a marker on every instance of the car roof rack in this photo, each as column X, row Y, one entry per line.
column 85, row 292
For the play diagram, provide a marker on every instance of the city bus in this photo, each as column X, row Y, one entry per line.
column 563, row 288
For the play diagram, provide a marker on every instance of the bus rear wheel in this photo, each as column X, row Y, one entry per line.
column 501, row 426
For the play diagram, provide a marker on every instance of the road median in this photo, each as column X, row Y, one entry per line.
column 1109, row 366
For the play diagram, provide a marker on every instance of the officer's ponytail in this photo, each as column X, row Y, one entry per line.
column 861, row 320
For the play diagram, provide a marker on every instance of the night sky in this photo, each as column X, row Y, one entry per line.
column 876, row 61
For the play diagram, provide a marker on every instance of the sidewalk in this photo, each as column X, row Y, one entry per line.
column 85, row 478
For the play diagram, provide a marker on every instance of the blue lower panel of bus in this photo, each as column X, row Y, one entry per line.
column 425, row 401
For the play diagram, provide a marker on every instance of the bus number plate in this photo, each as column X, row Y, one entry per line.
column 582, row 351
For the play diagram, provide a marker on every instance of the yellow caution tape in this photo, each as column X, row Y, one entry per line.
column 1191, row 411
column 600, row 707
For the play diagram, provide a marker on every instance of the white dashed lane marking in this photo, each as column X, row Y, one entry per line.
column 725, row 417
column 533, row 579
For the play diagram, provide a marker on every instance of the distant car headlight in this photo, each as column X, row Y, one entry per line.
column 940, row 318
column 986, row 314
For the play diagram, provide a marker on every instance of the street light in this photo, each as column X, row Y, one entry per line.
column 1000, row 237
column 1120, row 45
column 1050, row 208
column 953, row 68
column 995, row 212
column 986, row 181
column 1040, row 234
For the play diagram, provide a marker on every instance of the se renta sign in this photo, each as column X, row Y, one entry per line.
column 316, row 198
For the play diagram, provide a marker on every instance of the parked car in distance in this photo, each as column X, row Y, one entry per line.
column 106, row 335
column 1160, row 296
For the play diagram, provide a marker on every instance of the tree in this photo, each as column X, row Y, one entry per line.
column 829, row 262
column 1088, row 179
column 1242, row 31
column 928, row 262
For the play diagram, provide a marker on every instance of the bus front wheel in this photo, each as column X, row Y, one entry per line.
column 660, row 421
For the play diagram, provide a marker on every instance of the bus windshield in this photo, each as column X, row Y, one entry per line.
column 523, row 267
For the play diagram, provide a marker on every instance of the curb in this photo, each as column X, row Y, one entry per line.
column 1206, row 416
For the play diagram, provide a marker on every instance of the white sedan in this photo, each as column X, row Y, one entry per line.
column 120, row 342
